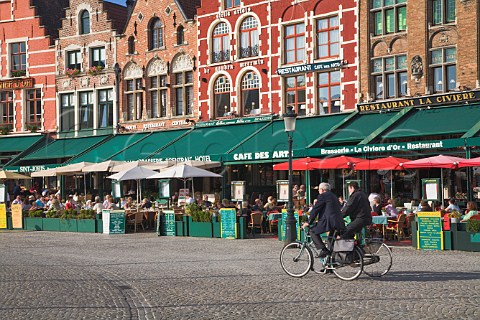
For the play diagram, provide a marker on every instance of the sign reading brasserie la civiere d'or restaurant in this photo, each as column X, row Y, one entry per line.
column 424, row 101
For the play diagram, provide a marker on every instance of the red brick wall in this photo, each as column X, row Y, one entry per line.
column 138, row 27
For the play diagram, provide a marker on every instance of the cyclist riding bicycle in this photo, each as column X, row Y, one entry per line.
column 359, row 210
column 327, row 209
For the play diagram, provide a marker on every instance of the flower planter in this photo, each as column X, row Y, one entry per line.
column 86, row 225
column 200, row 229
column 99, row 225
column 179, row 228
column 463, row 240
column 51, row 224
column 35, row 224
column 68, row 225
column 216, row 229
column 447, row 240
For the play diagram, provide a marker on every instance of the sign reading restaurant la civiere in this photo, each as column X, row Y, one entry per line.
column 425, row 101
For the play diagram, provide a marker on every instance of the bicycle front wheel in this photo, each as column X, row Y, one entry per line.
column 350, row 270
column 296, row 259
column 377, row 259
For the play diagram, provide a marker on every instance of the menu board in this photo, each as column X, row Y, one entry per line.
column 429, row 232
column 284, row 226
column 431, row 189
column 282, row 190
column 17, row 220
column 169, row 224
column 113, row 221
column 228, row 223
column 3, row 216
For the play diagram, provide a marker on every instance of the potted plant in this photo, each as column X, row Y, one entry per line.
column 454, row 216
column 4, row 130
column 19, row 73
column 72, row 72
column 32, row 128
column 466, row 236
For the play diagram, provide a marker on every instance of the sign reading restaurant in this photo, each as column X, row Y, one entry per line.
column 311, row 67
column 433, row 100
column 19, row 83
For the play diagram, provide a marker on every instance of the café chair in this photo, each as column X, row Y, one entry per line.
column 135, row 219
column 256, row 221
column 272, row 222
column 396, row 228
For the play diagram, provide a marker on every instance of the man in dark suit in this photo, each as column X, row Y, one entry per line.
column 327, row 209
column 359, row 210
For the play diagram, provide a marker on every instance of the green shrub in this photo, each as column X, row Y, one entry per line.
column 69, row 214
column 86, row 214
column 197, row 213
column 35, row 214
column 473, row 225
column 52, row 213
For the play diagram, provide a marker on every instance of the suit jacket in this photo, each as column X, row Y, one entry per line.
column 327, row 209
column 358, row 207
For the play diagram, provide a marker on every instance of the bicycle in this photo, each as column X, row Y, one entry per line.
column 297, row 259
column 377, row 257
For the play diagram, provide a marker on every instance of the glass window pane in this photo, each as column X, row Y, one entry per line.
column 389, row 2
column 389, row 64
column 289, row 30
column 323, row 78
column 378, row 23
column 376, row 4
column 452, row 77
column 402, row 18
column 403, row 83
column 390, row 85
column 402, row 62
column 450, row 55
column 378, row 87
column 323, row 93
column 390, row 20
column 438, row 79
column 437, row 11
column 377, row 65
column 437, row 56
column 451, row 11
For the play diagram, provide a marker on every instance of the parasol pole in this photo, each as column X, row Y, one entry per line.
column 138, row 193
column 391, row 184
column 85, row 186
column 307, row 191
column 343, row 180
column 441, row 183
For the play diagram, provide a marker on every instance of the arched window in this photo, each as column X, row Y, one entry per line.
column 250, row 93
column 156, row 34
column 180, row 35
column 222, row 96
column 249, row 38
column 84, row 22
column 131, row 45
column 221, row 43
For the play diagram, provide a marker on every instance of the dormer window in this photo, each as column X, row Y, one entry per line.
column 85, row 22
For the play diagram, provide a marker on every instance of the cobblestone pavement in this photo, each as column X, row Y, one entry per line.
column 140, row 276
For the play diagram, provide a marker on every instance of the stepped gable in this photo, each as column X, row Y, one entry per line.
column 189, row 7
column 51, row 13
column 117, row 14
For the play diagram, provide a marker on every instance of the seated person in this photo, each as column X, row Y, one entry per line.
column 258, row 205
column 452, row 206
column 128, row 204
column 146, row 204
column 269, row 205
column 391, row 210
column 424, row 207
column 471, row 211
column 206, row 202
column 377, row 207
column 246, row 212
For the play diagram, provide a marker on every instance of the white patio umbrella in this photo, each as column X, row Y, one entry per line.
column 45, row 173
column 73, row 169
column 184, row 172
column 136, row 173
column 201, row 164
column 102, row 166
column 8, row 175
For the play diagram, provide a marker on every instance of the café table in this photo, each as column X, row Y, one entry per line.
column 383, row 220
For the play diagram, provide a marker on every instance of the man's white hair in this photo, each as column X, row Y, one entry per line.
column 324, row 186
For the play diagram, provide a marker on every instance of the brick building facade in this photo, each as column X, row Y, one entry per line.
column 87, row 91
column 27, row 68
column 417, row 48
column 158, row 58
column 258, row 57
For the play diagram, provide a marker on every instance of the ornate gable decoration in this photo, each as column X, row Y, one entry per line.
column 133, row 71
column 157, row 67
column 182, row 63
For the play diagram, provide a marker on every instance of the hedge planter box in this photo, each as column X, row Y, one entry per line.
column 35, row 224
column 447, row 240
column 216, row 229
column 463, row 240
column 179, row 229
column 86, row 225
column 51, row 224
column 68, row 225
column 200, row 229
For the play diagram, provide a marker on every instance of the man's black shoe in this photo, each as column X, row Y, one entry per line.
column 322, row 254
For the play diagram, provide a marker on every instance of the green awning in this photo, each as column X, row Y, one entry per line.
column 147, row 146
column 209, row 143
column 436, row 121
column 359, row 128
column 17, row 144
column 271, row 143
column 64, row 148
column 110, row 147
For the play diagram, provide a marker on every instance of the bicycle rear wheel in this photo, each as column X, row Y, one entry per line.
column 296, row 259
column 377, row 259
column 352, row 270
